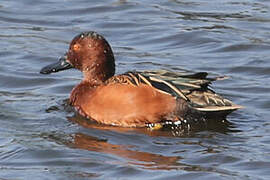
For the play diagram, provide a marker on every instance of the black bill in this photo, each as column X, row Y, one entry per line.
column 61, row 65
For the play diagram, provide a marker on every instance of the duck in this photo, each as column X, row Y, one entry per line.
column 136, row 99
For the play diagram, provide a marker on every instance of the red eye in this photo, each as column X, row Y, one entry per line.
column 76, row 47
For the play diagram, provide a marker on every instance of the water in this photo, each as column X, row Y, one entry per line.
column 41, row 138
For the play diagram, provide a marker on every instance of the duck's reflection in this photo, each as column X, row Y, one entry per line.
column 143, row 159
column 134, row 157
column 147, row 160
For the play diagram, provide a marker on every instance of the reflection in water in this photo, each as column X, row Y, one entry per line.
column 140, row 159
column 143, row 159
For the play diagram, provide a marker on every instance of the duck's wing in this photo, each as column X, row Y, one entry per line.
column 136, row 78
column 184, row 80
column 193, row 88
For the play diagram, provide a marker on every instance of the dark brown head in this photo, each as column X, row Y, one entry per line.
column 90, row 53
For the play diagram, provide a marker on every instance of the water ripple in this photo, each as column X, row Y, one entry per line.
column 42, row 137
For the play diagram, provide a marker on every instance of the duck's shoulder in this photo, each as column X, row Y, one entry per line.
column 128, row 78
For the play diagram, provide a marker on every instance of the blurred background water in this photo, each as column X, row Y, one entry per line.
column 41, row 138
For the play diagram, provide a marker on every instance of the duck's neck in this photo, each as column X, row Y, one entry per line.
column 98, row 73
column 93, row 79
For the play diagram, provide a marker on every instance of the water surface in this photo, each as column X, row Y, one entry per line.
column 41, row 138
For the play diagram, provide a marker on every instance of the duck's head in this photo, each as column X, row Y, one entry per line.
column 90, row 53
